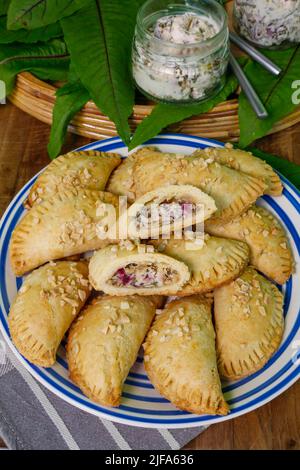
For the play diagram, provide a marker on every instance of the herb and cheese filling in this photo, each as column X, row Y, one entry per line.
column 268, row 22
column 168, row 209
column 185, row 29
column 167, row 212
column 176, row 61
column 144, row 275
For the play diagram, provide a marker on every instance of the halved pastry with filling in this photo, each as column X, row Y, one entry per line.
column 71, row 222
column 168, row 209
column 46, row 305
column 270, row 252
column 103, row 344
column 180, row 357
column 249, row 324
column 232, row 191
column 211, row 261
column 245, row 162
column 87, row 169
column 125, row 271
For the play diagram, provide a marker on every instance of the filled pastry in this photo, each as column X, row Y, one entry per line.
column 104, row 342
column 232, row 191
column 249, row 324
column 87, row 169
column 270, row 252
column 73, row 221
column 180, row 357
column 168, row 209
column 121, row 181
column 211, row 261
column 46, row 305
column 246, row 163
column 128, row 269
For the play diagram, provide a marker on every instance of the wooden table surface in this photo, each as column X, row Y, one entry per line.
column 23, row 152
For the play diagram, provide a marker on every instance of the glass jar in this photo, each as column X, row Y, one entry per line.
column 180, row 50
column 268, row 23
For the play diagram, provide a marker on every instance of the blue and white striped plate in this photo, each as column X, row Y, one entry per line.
column 141, row 404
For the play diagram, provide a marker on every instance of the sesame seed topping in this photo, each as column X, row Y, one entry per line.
column 124, row 305
column 86, row 173
column 82, row 295
column 70, row 301
column 262, row 311
column 245, row 287
column 125, row 319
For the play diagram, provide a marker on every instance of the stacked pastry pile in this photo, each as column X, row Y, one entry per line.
column 128, row 280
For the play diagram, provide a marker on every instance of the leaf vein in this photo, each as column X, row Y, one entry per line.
column 14, row 58
column 98, row 6
column 29, row 10
column 283, row 75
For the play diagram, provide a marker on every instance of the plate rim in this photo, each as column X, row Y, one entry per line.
column 133, row 421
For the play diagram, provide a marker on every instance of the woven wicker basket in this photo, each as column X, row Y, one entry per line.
column 37, row 98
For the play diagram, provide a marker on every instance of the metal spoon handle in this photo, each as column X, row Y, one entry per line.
column 248, row 89
column 255, row 54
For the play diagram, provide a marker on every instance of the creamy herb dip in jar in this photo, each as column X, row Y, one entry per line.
column 268, row 23
column 180, row 51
